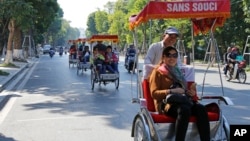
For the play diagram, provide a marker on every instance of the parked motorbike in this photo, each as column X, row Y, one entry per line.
column 130, row 62
column 237, row 72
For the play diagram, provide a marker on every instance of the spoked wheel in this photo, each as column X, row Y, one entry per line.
column 140, row 131
column 78, row 68
column 226, row 128
column 242, row 76
column 117, row 81
column 93, row 77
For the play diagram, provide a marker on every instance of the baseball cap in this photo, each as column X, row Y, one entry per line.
column 171, row 30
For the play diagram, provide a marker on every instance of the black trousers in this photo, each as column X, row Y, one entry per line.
column 182, row 114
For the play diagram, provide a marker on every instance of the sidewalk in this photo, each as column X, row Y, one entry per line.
column 14, row 72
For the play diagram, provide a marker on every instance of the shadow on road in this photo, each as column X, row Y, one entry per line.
column 4, row 138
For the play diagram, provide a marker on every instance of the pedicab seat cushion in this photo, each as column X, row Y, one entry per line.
column 212, row 108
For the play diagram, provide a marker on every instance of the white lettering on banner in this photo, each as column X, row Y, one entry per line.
column 207, row 6
column 196, row 6
column 178, row 7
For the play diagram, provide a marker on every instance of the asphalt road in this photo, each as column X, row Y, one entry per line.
column 53, row 103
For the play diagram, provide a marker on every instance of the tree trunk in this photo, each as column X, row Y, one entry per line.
column 18, row 52
column 8, row 57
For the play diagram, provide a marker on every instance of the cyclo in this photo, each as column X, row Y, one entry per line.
column 98, row 73
column 149, row 125
column 72, row 53
column 83, row 55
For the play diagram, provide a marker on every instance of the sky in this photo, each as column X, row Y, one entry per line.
column 77, row 11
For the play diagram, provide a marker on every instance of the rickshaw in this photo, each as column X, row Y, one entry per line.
column 149, row 125
column 81, row 65
column 107, row 77
column 72, row 60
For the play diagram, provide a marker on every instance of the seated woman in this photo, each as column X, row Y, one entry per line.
column 72, row 51
column 86, row 54
column 161, row 83
column 111, row 60
column 97, row 60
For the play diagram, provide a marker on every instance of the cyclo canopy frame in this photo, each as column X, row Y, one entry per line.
column 205, row 16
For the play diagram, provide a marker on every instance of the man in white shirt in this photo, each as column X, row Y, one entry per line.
column 154, row 52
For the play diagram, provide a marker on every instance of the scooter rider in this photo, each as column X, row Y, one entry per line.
column 130, row 52
column 60, row 50
column 231, row 57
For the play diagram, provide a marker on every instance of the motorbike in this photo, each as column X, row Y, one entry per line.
column 237, row 71
column 51, row 53
column 130, row 62
column 61, row 52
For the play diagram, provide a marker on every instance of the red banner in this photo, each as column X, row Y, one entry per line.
column 182, row 9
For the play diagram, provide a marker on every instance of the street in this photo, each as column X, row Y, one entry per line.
column 56, row 104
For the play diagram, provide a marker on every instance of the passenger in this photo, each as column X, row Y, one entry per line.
column 73, row 51
column 97, row 60
column 154, row 52
column 225, row 60
column 160, row 81
column 111, row 60
column 86, row 54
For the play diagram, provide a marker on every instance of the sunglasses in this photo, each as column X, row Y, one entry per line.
column 169, row 55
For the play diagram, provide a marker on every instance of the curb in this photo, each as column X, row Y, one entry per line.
column 14, row 76
column 6, row 82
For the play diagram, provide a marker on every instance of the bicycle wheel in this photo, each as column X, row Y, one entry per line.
column 93, row 79
column 117, row 81
column 78, row 68
column 140, row 131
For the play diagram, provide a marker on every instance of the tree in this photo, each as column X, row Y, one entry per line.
column 15, row 17
column 91, row 29
column 101, row 21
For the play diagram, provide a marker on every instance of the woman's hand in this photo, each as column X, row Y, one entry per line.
column 178, row 91
column 190, row 93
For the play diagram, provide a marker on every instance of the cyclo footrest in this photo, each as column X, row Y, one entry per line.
column 109, row 76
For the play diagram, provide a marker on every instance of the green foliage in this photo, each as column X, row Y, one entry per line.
column 91, row 29
column 10, row 65
column 101, row 21
column 4, row 73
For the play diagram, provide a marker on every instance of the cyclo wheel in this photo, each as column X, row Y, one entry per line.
column 93, row 77
column 140, row 131
column 242, row 76
column 78, row 68
column 117, row 81
column 226, row 128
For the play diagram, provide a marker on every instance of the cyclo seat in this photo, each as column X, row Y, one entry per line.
column 212, row 108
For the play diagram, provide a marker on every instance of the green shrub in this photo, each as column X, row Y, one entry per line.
column 4, row 73
column 9, row 65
